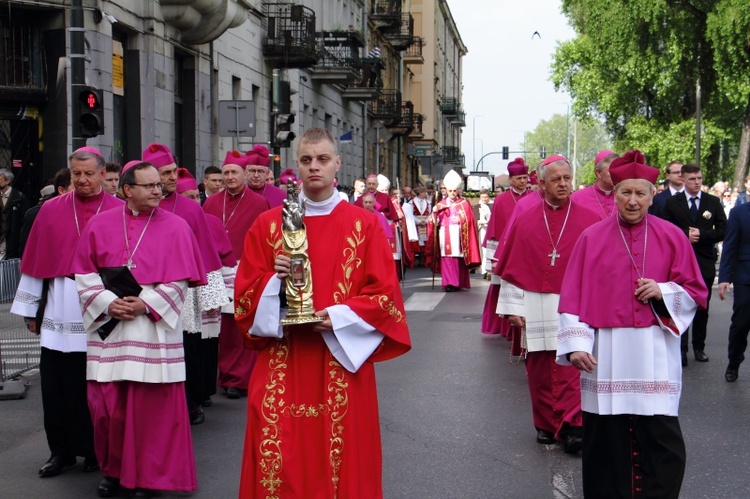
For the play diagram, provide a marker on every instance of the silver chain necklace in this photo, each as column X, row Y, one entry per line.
column 75, row 214
column 224, row 209
column 555, row 255
column 627, row 247
column 601, row 206
column 130, row 263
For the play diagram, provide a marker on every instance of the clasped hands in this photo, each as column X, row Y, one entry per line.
column 126, row 309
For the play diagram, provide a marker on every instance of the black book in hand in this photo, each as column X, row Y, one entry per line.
column 121, row 282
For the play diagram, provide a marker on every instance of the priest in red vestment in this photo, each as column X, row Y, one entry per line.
column 452, row 241
column 599, row 197
column 531, row 265
column 382, row 200
column 256, row 169
column 312, row 424
column 49, row 302
column 237, row 206
column 417, row 212
column 620, row 324
column 135, row 369
column 502, row 209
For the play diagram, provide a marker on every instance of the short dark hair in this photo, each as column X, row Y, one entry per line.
column 210, row 170
column 62, row 179
column 128, row 178
column 672, row 163
column 690, row 168
column 112, row 168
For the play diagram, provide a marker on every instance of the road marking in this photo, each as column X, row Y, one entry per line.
column 423, row 302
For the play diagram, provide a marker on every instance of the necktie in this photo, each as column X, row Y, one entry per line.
column 694, row 208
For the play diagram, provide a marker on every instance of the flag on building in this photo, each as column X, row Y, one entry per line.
column 347, row 137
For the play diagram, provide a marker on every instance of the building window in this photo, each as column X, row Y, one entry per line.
column 21, row 64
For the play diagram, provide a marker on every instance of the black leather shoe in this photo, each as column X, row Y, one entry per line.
column 545, row 437
column 684, row 359
column 572, row 444
column 90, row 464
column 208, row 402
column 108, row 487
column 701, row 356
column 233, row 393
column 197, row 416
column 56, row 465
column 732, row 374
column 143, row 493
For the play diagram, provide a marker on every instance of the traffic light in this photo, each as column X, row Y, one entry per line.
column 542, row 152
column 283, row 135
column 506, row 152
column 283, row 118
column 91, row 112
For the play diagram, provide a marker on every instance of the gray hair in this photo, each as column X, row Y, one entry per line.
column 7, row 174
column 84, row 155
column 541, row 170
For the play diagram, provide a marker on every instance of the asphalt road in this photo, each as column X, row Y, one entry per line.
column 455, row 417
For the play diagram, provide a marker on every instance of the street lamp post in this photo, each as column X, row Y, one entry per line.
column 474, row 140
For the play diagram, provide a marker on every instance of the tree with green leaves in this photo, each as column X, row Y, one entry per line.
column 586, row 139
column 651, row 68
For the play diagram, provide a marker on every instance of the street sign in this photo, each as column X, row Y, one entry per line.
column 236, row 118
column 422, row 150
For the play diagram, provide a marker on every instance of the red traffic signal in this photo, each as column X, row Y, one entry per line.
column 91, row 112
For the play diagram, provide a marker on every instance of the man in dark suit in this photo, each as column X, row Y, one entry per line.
column 675, row 185
column 742, row 197
column 14, row 206
column 735, row 269
column 701, row 217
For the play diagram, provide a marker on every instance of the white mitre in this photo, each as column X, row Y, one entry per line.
column 452, row 180
column 383, row 183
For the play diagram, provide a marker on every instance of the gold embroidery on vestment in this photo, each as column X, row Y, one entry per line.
column 387, row 305
column 351, row 262
column 271, row 461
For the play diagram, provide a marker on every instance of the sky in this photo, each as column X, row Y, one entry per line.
column 506, row 72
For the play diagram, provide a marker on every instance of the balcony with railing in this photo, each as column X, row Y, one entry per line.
column 452, row 155
column 387, row 107
column 339, row 60
column 413, row 53
column 386, row 14
column 405, row 124
column 458, row 119
column 450, row 106
column 289, row 35
column 401, row 35
column 369, row 86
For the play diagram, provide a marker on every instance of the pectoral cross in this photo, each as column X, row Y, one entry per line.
column 130, row 265
column 553, row 256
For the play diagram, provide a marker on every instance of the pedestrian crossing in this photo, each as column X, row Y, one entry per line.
column 423, row 302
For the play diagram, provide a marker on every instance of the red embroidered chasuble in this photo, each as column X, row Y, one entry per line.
column 312, row 427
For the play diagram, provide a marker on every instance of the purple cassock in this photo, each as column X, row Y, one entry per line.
column 55, row 232
column 193, row 214
column 272, row 194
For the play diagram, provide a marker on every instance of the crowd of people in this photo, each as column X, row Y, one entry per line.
column 157, row 293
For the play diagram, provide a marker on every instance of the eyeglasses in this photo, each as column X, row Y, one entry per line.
column 256, row 172
column 678, row 172
column 151, row 187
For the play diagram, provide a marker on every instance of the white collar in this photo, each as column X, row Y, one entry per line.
column 675, row 191
column 320, row 208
